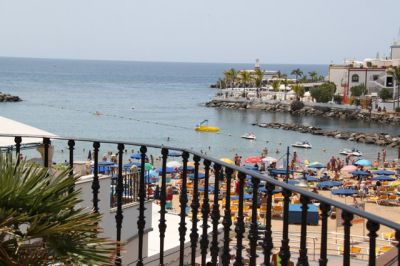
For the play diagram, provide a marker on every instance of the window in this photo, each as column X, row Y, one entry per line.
column 355, row 78
column 375, row 77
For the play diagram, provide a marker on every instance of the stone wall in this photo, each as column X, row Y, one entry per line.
column 368, row 138
column 325, row 111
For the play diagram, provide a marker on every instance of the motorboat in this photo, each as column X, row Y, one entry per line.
column 250, row 136
column 302, row 144
column 352, row 152
column 204, row 127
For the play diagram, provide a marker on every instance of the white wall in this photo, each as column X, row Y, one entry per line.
column 108, row 224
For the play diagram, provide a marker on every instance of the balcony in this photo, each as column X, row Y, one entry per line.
column 215, row 222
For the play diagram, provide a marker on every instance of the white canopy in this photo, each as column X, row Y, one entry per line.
column 11, row 127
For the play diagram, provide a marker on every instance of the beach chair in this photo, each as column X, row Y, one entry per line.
column 383, row 199
column 277, row 211
column 354, row 251
column 382, row 250
column 388, row 236
column 392, row 199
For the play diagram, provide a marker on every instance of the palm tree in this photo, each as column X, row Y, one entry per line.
column 40, row 222
column 395, row 71
column 297, row 72
column 258, row 79
column 245, row 79
column 313, row 75
column 285, row 82
column 230, row 77
column 276, row 84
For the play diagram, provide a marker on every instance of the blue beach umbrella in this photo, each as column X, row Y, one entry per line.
column 189, row 168
column 201, row 176
column 383, row 178
column 174, row 154
column 246, row 196
column 316, row 166
column 168, row 170
column 358, row 172
column 137, row 156
column 329, row 184
column 310, row 178
column 210, row 189
column 384, row 172
column 363, row 162
column 344, row 192
column 279, row 171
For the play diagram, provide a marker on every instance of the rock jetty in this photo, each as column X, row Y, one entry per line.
column 324, row 111
column 382, row 139
column 4, row 97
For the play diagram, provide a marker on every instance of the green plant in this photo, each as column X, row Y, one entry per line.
column 324, row 92
column 385, row 94
column 397, row 109
column 40, row 223
column 338, row 99
column 298, row 89
column 358, row 90
column 276, row 84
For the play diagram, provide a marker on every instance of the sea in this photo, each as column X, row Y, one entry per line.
column 158, row 103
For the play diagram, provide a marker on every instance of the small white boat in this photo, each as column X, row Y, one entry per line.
column 302, row 144
column 352, row 152
column 250, row 136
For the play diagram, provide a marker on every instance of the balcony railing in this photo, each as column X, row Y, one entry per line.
column 215, row 202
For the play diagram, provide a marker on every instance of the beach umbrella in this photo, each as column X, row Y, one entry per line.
column 189, row 168
column 226, row 160
column 329, row 184
column 151, row 174
column 174, row 164
column 349, row 168
column 344, row 192
column 253, row 159
column 383, row 178
column 363, row 162
column 246, row 196
column 251, row 167
column 310, row 178
column 168, row 170
column 358, row 173
column 384, row 172
column 148, row 166
column 269, row 160
column 316, row 166
column 210, row 189
column 174, row 154
column 200, row 175
column 137, row 156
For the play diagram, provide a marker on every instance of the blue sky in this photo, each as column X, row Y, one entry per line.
column 284, row 31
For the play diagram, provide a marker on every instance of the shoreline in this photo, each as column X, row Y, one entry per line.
column 310, row 109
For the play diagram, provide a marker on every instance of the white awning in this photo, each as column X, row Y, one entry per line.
column 11, row 127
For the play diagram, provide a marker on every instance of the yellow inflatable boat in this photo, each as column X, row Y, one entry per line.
column 204, row 127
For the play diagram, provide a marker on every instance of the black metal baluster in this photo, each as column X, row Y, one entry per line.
column 284, row 252
column 253, row 233
column 372, row 228
column 227, row 221
column 18, row 141
column 215, row 215
column 142, row 195
column 95, row 183
column 194, row 236
column 325, row 208
column 205, row 211
column 183, row 200
column 240, row 229
column 397, row 236
column 119, row 216
column 268, row 245
column 347, row 217
column 46, row 143
column 303, row 259
column 71, row 145
column 163, row 199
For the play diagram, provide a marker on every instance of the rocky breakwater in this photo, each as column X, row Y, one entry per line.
column 4, row 97
column 305, row 109
column 382, row 139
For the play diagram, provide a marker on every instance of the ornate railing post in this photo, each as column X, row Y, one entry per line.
column 347, row 218
column 215, row 215
column 268, row 245
column 372, row 228
column 325, row 208
column 162, row 226
column 183, row 200
column 71, row 145
column 194, row 236
column 95, row 183
column 18, row 141
column 303, row 259
column 284, row 251
column 46, row 144
column 141, row 223
column 240, row 228
column 227, row 221
column 119, row 216
column 205, row 213
column 253, row 232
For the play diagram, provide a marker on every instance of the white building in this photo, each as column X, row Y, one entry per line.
column 373, row 73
